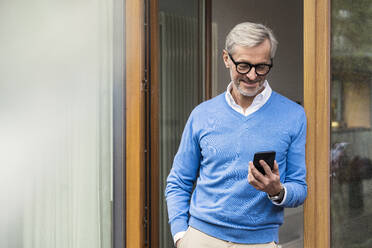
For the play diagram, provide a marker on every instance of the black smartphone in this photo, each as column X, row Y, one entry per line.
column 268, row 157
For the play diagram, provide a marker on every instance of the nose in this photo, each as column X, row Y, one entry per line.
column 252, row 74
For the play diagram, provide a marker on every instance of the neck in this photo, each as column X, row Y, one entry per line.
column 241, row 100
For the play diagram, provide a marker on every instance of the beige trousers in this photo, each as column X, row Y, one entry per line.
column 194, row 238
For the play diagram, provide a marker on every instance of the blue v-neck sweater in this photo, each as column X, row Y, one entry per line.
column 216, row 147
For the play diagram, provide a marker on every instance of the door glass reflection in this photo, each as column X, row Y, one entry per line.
column 351, row 134
column 181, row 87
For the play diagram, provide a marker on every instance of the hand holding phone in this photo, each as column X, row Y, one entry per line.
column 267, row 156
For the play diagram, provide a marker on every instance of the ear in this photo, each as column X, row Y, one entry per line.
column 225, row 57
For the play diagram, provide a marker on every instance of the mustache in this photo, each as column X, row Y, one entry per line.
column 248, row 81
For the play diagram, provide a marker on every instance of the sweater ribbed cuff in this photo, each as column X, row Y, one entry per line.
column 178, row 225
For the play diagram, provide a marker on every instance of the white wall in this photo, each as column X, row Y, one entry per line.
column 286, row 20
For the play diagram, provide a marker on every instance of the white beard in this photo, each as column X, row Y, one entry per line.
column 249, row 94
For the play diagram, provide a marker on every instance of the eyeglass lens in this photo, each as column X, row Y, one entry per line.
column 260, row 69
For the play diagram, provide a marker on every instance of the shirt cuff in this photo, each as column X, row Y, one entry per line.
column 283, row 200
column 178, row 236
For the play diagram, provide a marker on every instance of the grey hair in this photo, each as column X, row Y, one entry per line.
column 250, row 35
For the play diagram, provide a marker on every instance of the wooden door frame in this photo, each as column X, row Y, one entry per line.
column 154, row 102
column 317, row 107
column 316, row 102
column 135, row 121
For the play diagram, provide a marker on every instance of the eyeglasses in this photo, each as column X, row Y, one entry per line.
column 245, row 67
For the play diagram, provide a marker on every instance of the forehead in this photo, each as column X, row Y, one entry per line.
column 256, row 54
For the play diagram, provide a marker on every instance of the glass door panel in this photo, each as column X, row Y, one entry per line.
column 56, row 124
column 180, row 86
column 351, row 133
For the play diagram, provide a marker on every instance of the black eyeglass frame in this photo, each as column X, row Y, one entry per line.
column 251, row 66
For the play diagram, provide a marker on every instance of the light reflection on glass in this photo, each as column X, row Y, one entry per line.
column 55, row 124
column 351, row 134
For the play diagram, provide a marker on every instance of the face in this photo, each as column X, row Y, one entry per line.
column 249, row 84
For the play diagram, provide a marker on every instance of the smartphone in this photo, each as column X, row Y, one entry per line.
column 267, row 156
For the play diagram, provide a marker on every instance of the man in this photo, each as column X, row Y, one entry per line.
column 233, row 204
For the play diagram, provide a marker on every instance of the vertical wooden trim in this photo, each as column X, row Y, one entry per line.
column 134, row 123
column 154, row 132
column 208, row 49
column 322, row 189
column 309, row 97
column 317, row 106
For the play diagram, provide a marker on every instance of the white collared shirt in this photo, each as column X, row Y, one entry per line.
column 257, row 103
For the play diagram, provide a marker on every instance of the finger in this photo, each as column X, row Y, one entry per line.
column 266, row 167
column 250, row 173
column 256, row 173
column 276, row 168
column 256, row 184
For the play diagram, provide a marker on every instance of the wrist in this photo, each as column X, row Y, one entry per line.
column 279, row 195
column 277, row 192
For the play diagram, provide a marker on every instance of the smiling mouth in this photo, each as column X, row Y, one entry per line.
column 247, row 83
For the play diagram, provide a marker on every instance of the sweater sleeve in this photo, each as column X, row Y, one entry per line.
column 181, row 179
column 295, row 180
